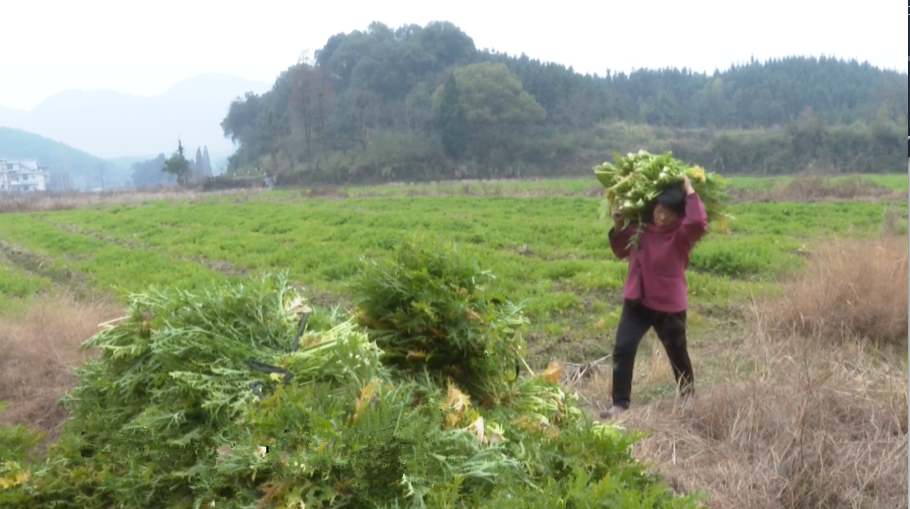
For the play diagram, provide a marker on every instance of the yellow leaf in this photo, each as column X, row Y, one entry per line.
column 276, row 377
column 452, row 420
column 366, row 395
column 416, row 354
column 552, row 373
column 698, row 174
column 19, row 478
column 456, row 399
column 456, row 404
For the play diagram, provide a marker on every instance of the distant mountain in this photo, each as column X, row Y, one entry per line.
column 113, row 124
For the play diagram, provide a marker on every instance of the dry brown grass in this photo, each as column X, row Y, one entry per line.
column 52, row 201
column 793, row 424
column 488, row 189
column 813, row 189
column 41, row 347
column 12, row 203
column 850, row 289
column 805, row 406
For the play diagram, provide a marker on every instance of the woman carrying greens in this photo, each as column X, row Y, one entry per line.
column 655, row 293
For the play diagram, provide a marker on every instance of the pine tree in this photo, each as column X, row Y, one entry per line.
column 199, row 168
column 207, row 161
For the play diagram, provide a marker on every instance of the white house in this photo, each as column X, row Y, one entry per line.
column 21, row 176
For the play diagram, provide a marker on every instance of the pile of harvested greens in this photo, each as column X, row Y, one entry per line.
column 420, row 406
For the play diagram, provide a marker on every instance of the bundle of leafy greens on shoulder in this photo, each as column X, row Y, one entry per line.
column 635, row 180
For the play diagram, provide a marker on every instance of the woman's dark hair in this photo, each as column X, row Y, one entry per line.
column 673, row 198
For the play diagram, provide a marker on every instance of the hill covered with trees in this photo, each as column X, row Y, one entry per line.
column 69, row 168
column 417, row 103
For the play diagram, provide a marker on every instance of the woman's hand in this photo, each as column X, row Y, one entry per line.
column 617, row 219
column 687, row 185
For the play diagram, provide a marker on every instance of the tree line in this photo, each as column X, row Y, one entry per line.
column 176, row 169
column 423, row 103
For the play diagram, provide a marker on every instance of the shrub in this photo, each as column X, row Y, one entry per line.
column 17, row 443
column 429, row 308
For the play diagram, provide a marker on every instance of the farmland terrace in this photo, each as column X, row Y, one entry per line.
column 798, row 322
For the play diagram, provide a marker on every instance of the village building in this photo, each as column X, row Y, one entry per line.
column 22, row 176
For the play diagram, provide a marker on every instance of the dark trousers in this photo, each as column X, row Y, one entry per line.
column 634, row 323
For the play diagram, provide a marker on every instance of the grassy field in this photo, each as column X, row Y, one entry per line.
column 547, row 247
column 548, row 251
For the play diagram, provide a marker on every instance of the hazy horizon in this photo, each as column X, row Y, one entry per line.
column 110, row 124
column 141, row 96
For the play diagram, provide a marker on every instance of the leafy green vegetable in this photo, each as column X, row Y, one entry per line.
column 634, row 182
column 429, row 308
column 346, row 424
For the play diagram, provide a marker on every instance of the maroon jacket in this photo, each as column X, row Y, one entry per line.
column 657, row 268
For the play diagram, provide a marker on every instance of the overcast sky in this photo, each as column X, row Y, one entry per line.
column 143, row 47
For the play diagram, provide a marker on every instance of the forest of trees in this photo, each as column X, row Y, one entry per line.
column 418, row 103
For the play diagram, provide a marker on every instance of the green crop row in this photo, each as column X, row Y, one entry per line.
column 16, row 283
column 526, row 240
column 17, row 286
column 816, row 220
column 109, row 267
column 562, row 186
column 550, row 252
column 894, row 182
column 304, row 233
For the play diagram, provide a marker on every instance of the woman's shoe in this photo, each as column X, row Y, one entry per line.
column 612, row 412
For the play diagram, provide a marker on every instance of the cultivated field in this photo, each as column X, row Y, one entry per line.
column 798, row 324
